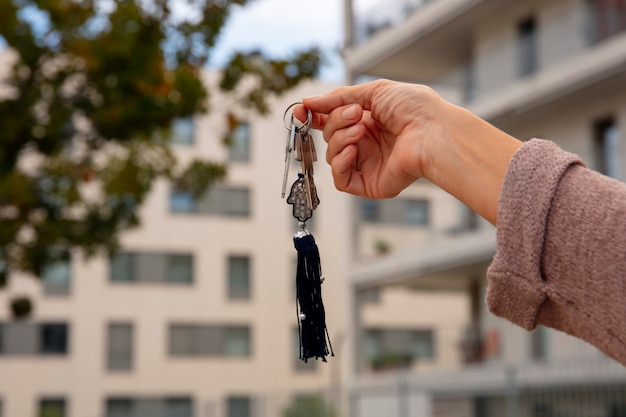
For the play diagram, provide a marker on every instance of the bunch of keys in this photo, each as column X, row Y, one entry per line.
column 314, row 340
column 303, row 195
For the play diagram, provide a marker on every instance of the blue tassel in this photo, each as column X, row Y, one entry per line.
column 314, row 339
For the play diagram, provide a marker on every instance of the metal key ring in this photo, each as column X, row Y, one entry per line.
column 306, row 124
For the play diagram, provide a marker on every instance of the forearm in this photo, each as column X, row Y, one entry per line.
column 470, row 159
column 560, row 259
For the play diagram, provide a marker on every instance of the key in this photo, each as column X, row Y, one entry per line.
column 308, row 156
column 288, row 150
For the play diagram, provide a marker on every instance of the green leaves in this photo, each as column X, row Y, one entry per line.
column 90, row 95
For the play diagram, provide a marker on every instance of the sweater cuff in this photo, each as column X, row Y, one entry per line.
column 515, row 285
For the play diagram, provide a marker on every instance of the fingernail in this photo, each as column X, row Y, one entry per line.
column 349, row 113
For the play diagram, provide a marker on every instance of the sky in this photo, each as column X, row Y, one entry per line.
column 279, row 27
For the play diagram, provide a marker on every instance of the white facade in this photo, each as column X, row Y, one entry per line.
column 550, row 70
column 162, row 331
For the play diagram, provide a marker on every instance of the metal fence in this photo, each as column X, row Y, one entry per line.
column 595, row 387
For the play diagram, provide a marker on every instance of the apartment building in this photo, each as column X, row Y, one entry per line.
column 196, row 315
column 552, row 70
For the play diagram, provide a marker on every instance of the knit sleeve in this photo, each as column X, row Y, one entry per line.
column 561, row 248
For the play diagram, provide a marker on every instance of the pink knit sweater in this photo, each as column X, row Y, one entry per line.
column 561, row 251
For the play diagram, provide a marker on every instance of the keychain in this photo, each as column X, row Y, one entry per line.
column 314, row 340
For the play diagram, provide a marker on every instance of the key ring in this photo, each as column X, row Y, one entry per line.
column 306, row 125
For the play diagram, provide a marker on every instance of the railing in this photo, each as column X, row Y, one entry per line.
column 548, row 44
column 384, row 15
column 592, row 387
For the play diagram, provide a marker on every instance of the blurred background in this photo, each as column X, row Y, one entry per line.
column 147, row 267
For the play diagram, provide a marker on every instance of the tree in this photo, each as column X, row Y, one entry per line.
column 93, row 89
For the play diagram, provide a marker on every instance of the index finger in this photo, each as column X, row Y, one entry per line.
column 319, row 119
column 362, row 95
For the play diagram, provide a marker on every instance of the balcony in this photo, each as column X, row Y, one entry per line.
column 488, row 56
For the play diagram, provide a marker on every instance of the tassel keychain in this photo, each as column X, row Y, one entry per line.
column 314, row 340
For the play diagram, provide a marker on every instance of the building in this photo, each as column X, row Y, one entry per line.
column 196, row 316
column 552, row 70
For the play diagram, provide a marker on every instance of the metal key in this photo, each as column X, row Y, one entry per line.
column 288, row 150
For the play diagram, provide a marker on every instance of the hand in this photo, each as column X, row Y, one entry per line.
column 384, row 135
column 377, row 134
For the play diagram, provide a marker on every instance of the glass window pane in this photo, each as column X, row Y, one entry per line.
column 239, row 407
column 120, row 346
column 180, row 269
column 151, row 267
column 21, row 338
column 56, row 277
column 182, row 202
column 122, row 268
column 182, row 131
column 416, row 212
column 52, row 407
column 373, row 344
column 226, row 201
column 239, row 277
column 240, row 143
column 53, row 338
column 423, row 344
column 183, row 340
column 237, row 341
column 178, row 407
column 370, row 211
column 120, row 407
column 527, row 40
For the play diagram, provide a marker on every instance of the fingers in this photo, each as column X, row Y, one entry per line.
column 319, row 120
column 362, row 95
column 345, row 176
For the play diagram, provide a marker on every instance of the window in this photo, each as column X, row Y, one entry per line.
column 370, row 211
column 240, row 143
column 153, row 407
column 220, row 200
column 25, row 338
column 606, row 146
column 299, row 364
column 399, row 344
column 406, row 211
column 527, row 47
column 181, row 202
column 239, row 277
column 209, row 340
column 539, row 344
column 53, row 340
column 52, row 407
column 152, row 267
column 120, row 347
column 182, row 131
column 56, row 277
column 606, row 18
column 238, row 406
column 416, row 212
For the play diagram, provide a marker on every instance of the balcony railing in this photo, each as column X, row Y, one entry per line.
column 384, row 15
column 566, row 43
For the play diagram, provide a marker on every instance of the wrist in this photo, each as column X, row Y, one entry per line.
column 469, row 159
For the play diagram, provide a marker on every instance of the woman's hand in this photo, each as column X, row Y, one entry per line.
column 376, row 134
